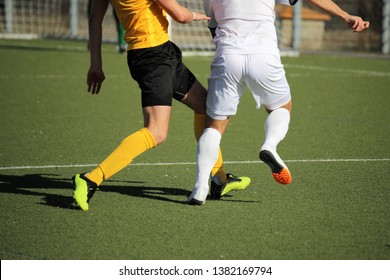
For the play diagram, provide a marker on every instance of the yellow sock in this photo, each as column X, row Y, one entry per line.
column 131, row 147
column 199, row 126
column 218, row 168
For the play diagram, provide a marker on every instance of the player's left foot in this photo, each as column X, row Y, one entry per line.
column 84, row 189
column 279, row 169
column 198, row 197
column 232, row 183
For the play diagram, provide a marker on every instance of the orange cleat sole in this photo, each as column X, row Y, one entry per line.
column 280, row 173
column 283, row 177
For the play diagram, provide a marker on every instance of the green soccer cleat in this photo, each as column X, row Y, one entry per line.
column 232, row 183
column 84, row 189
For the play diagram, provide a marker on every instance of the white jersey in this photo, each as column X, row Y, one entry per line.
column 244, row 26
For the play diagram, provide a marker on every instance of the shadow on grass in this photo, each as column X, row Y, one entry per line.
column 32, row 184
column 36, row 184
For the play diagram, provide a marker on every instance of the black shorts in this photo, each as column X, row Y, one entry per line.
column 160, row 74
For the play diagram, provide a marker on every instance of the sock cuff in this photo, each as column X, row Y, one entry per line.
column 96, row 176
column 149, row 137
column 213, row 131
column 281, row 110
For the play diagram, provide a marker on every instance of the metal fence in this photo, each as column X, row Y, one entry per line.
column 67, row 19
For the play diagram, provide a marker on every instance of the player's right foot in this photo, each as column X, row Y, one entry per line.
column 84, row 189
column 279, row 169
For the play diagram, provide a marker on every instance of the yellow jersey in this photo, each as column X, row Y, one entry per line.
column 144, row 21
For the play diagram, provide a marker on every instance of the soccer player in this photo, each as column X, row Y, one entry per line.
column 247, row 55
column 156, row 64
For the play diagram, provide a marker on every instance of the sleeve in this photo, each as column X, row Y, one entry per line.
column 286, row 2
column 209, row 12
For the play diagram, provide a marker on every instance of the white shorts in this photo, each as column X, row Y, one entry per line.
column 263, row 74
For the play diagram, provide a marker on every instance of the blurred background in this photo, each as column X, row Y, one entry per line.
column 300, row 28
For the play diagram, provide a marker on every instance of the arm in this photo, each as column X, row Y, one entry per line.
column 354, row 22
column 179, row 13
column 95, row 76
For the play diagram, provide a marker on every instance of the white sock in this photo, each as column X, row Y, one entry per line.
column 206, row 156
column 275, row 127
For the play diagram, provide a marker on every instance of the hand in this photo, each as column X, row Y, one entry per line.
column 198, row 16
column 95, row 78
column 356, row 23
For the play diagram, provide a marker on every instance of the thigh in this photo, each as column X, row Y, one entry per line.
column 183, row 79
column 195, row 98
column 225, row 86
column 266, row 79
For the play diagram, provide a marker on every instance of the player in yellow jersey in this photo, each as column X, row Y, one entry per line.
column 156, row 64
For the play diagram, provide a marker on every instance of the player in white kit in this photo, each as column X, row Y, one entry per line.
column 247, row 54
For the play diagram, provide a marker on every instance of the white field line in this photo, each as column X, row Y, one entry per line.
column 339, row 70
column 193, row 163
column 297, row 66
column 53, row 76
